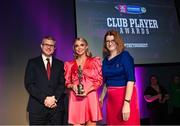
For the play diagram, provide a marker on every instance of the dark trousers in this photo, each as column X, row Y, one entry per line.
column 176, row 115
column 159, row 117
column 50, row 117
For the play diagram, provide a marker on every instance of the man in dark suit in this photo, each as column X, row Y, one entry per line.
column 44, row 81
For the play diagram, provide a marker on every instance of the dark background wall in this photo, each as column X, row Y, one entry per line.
column 23, row 23
column 177, row 4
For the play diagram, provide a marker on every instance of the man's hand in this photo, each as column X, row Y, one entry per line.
column 50, row 102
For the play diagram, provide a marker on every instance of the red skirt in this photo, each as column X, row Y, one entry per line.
column 115, row 101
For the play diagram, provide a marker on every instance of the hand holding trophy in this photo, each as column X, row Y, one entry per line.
column 80, row 87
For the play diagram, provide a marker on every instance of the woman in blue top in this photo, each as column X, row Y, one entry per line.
column 119, row 78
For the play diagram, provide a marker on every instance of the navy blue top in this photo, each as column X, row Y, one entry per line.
column 118, row 70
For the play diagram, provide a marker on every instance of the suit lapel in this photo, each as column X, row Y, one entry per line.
column 53, row 67
column 42, row 67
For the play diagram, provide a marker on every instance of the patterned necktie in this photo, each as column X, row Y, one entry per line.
column 48, row 68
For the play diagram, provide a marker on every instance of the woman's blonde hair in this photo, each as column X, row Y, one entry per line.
column 118, row 40
column 88, row 53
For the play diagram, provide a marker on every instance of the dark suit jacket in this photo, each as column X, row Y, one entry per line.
column 38, row 85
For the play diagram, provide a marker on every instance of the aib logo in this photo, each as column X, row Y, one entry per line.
column 130, row 9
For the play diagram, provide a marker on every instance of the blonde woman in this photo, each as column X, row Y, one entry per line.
column 84, row 109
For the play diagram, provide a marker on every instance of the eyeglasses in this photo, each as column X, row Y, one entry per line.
column 110, row 41
column 49, row 45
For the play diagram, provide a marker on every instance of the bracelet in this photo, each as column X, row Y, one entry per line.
column 127, row 100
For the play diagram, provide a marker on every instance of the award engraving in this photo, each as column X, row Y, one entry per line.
column 80, row 87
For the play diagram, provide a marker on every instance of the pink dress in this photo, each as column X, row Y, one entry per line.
column 83, row 109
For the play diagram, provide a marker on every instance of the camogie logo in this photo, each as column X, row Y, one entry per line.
column 130, row 9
